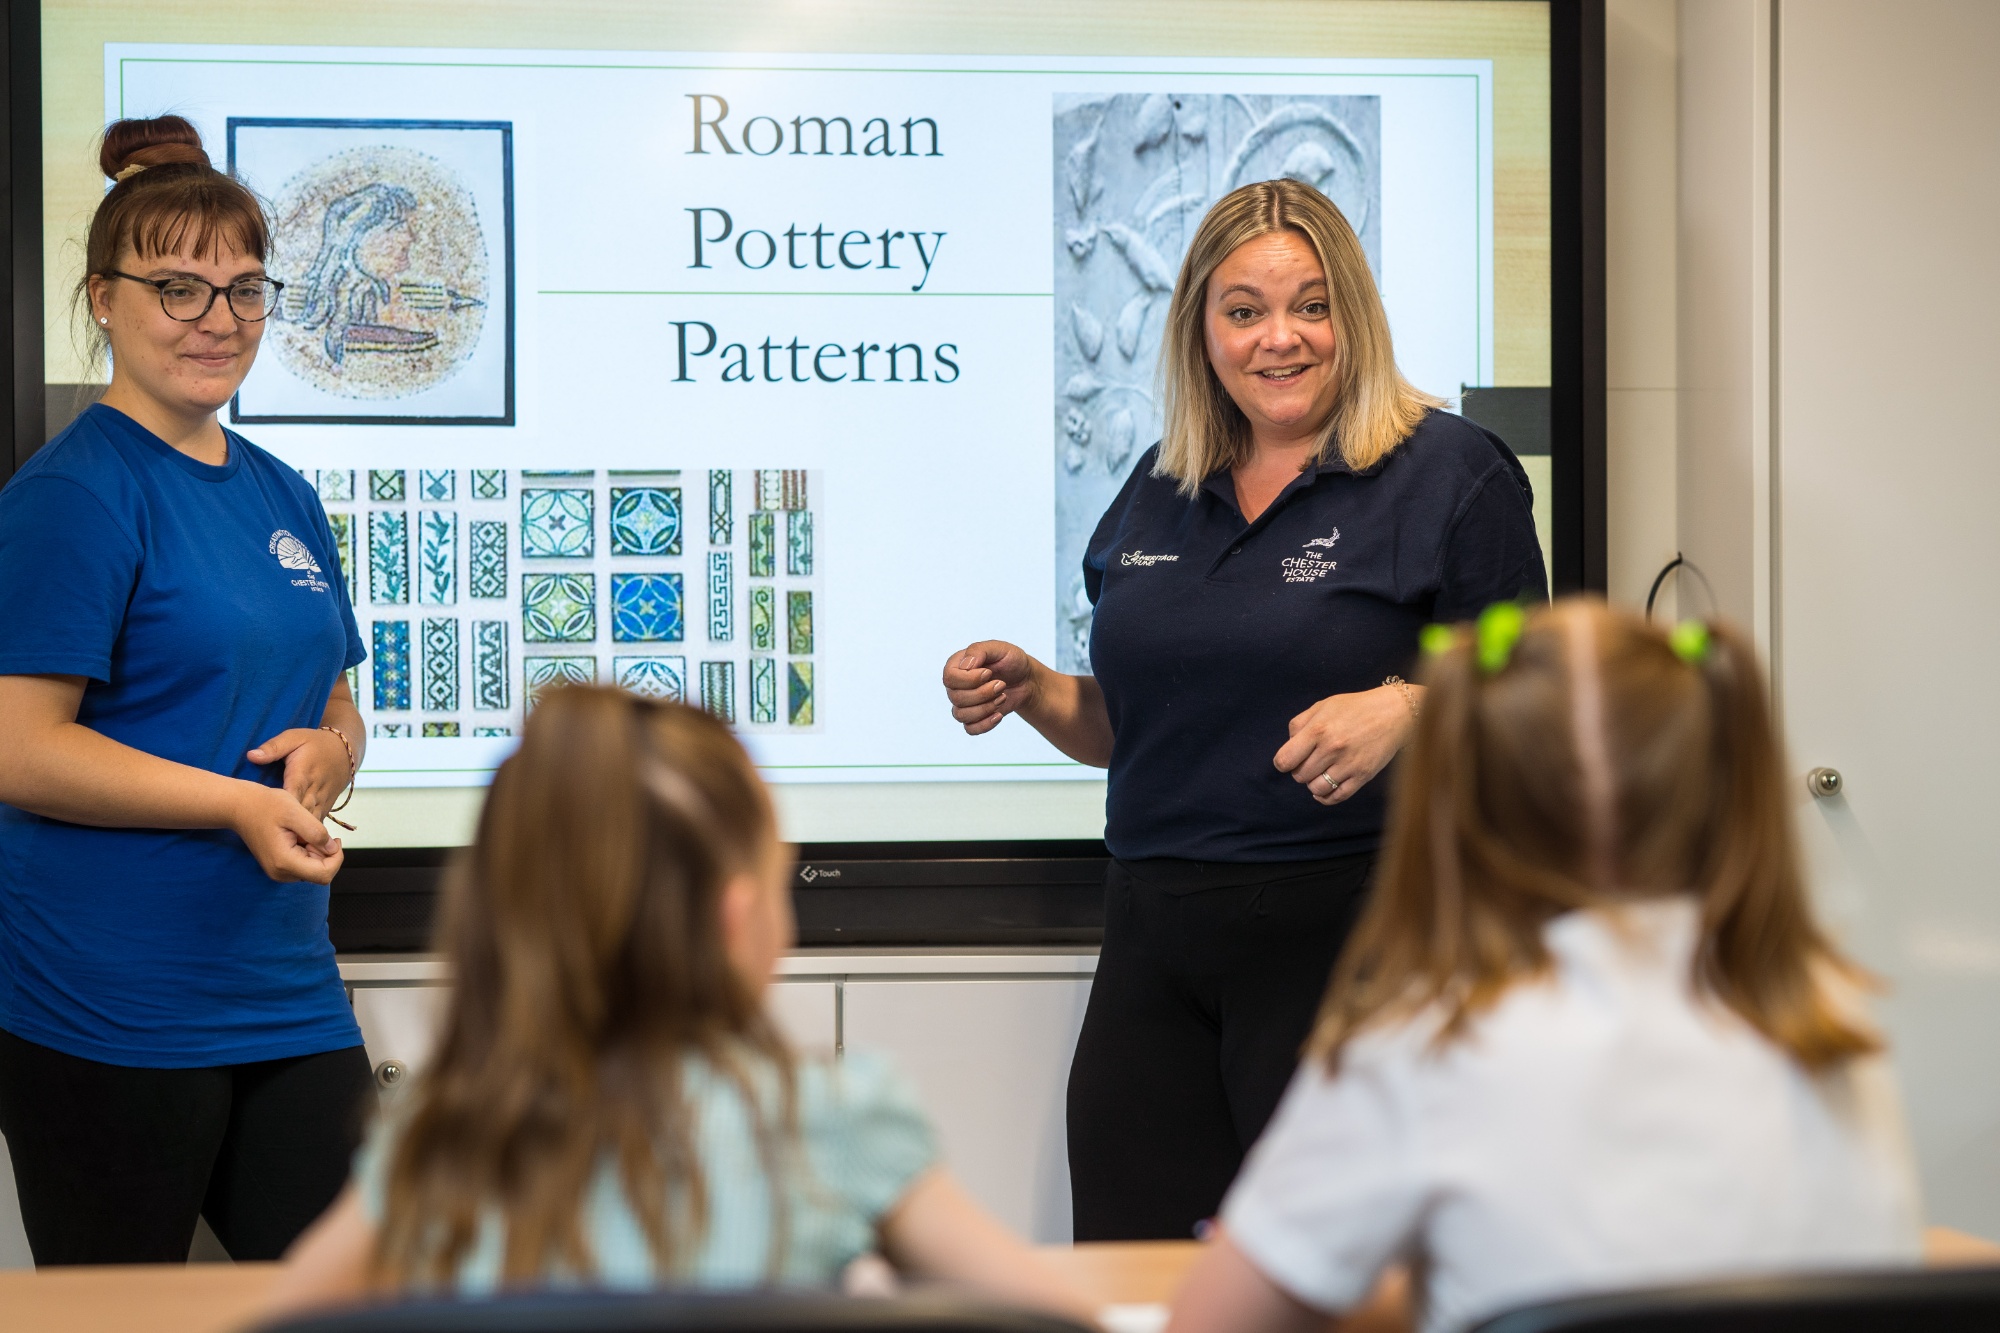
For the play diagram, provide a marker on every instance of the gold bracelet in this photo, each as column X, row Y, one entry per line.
column 1409, row 695
column 353, row 771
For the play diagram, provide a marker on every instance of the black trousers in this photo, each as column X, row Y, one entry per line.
column 1207, row 986
column 114, row 1164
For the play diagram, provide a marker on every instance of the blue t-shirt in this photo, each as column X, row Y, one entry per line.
column 206, row 608
column 1212, row 633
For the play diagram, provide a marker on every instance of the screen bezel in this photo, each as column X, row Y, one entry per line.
column 984, row 893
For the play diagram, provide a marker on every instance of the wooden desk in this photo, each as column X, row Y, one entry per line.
column 223, row 1298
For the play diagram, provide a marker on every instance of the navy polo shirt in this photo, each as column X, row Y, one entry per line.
column 1211, row 633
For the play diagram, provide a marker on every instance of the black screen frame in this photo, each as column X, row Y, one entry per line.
column 920, row 894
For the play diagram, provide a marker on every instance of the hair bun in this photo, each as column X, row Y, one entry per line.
column 160, row 142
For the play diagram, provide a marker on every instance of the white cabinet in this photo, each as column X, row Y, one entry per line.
column 986, row 1038
column 990, row 1061
column 808, row 1013
column 398, row 1023
column 399, row 1019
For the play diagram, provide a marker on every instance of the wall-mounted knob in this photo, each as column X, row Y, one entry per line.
column 1823, row 782
column 389, row 1073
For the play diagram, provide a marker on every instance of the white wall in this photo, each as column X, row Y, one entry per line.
column 1641, row 359
column 1837, row 282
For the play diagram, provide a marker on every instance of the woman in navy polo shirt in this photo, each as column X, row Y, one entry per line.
column 1260, row 582
column 174, row 1038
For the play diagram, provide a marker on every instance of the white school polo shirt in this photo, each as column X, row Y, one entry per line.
column 1598, row 1129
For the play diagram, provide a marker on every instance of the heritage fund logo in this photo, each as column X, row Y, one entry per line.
column 1145, row 561
column 1313, row 565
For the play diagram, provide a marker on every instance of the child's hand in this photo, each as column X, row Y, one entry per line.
column 1344, row 740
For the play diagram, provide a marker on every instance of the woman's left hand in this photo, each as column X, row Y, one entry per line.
column 1344, row 740
column 316, row 767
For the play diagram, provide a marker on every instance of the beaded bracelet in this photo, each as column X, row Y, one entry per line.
column 353, row 769
column 1409, row 695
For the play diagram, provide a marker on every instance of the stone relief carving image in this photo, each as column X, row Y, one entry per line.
column 1134, row 174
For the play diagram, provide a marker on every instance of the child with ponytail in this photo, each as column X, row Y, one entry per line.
column 609, row 1103
column 1587, row 1034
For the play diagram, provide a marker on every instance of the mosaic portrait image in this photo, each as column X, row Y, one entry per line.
column 1134, row 174
column 392, row 241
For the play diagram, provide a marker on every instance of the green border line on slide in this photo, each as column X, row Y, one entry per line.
column 770, row 768
column 803, row 69
column 691, row 291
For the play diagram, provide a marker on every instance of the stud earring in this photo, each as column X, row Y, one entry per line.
column 102, row 320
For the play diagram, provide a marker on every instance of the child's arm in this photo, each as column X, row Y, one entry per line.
column 1226, row 1293
column 329, row 1263
column 937, row 1231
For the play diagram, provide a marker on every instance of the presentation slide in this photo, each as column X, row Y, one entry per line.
column 765, row 379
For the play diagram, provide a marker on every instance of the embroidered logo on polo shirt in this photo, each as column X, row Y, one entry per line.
column 293, row 554
column 1141, row 558
column 1311, row 568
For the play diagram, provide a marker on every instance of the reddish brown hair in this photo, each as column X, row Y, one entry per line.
column 584, row 932
column 178, row 202
column 1596, row 766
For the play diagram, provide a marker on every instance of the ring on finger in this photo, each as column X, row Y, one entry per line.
column 1331, row 785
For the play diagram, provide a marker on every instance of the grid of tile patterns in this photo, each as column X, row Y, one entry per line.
column 478, row 588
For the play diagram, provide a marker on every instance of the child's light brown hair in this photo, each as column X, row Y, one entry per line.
column 1595, row 766
column 584, row 932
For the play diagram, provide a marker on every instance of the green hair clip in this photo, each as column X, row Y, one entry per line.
column 1690, row 641
column 1498, row 630
column 1437, row 640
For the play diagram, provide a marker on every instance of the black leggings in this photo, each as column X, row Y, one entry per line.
column 1206, row 988
column 114, row 1163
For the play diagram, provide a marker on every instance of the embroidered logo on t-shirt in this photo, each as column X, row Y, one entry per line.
column 1311, row 567
column 1141, row 558
column 293, row 554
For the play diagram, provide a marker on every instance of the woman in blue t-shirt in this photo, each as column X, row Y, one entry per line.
column 174, row 725
column 1259, row 584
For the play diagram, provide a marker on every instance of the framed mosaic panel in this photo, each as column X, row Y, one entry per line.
column 544, row 673
column 557, row 523
column 342, row 526
column 437, row 556
column 718, row 689
column 763, row 544
column 799, row 698
column 395, row 242
column 721, row 596
column 486, row 558
column 646, row 608
column 440, row 665
column 391, row 663
column 652, row 677
column 763, row 689
column 559, row 608
column 489, row 665
column 388, row 556
column 645, row 520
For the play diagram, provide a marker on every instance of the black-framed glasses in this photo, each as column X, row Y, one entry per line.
column 188, row 299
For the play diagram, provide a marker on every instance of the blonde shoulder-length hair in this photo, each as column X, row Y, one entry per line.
column 1376, row 408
